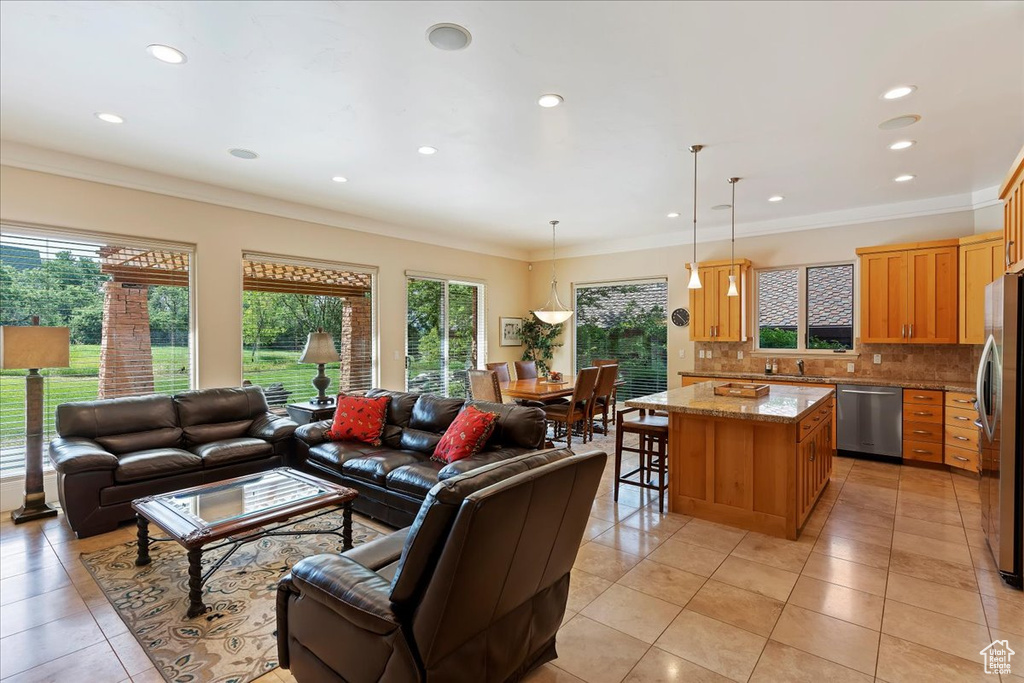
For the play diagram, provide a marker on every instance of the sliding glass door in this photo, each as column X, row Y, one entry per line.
column 445, row 334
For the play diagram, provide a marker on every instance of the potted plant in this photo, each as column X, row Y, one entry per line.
column 539, row 342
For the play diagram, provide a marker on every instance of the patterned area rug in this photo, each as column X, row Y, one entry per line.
column 232, row 643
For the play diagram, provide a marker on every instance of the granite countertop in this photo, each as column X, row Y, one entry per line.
column 783, row 404
column 873, row 381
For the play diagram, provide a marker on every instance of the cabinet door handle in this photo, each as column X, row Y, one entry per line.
column 922, row 412
column 961, row 438
column 813, row 444
column 911, row 330
column 961, row 417
column 1009, row 244
column 921, row 450
column 925, row 398
column 963, row 400
column 903, row 332
column 921, row 431
column 960, row 458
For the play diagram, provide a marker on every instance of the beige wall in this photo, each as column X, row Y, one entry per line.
column 221, row 234
column 806, row 246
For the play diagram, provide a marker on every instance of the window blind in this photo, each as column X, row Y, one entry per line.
column 127, row 307
column 445, row 335
column 283, row 300
column 626, row 322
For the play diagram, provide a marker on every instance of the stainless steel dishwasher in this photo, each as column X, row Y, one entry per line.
column 870, row 419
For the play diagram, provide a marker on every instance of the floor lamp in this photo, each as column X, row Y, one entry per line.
column 29, row 348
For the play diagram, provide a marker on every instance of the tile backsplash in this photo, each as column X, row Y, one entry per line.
column 949, row 363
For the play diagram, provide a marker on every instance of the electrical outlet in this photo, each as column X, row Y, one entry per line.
column 739, row 355
column 878, row 359
column 850, row 367
column 682, row 353
column 708, row 354
column 702, row 353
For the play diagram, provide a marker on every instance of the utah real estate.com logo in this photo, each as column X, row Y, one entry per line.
column 997, row 657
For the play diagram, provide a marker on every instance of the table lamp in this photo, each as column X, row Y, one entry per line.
column 31, row 347
column 320, row 350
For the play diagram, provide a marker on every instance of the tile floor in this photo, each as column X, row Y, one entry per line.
column 890, row 581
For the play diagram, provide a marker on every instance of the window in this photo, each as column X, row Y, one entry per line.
column 445, row 334
column 127, row 307
column 283, row 300
column 806, row 307
column 625, row 321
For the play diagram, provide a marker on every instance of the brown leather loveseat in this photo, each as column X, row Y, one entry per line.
column 112, row 451
column 395, row 477
column 474, row 590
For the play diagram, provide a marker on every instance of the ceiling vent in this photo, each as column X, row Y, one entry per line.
column 449, row 37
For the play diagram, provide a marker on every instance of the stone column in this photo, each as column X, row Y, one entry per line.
column 126, row 357
column 356, row 344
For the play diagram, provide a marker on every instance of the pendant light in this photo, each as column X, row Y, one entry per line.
column 733, row 291
column 553, row 311
column 694, row 275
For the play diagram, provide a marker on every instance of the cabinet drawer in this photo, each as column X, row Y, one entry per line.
column 922, row 450
column 922, row 397
column 919, row 413
column 962, row 458
column 811, row 422
column 963, row 438
column 923, row 431
column 961, row 417
column 955, row 399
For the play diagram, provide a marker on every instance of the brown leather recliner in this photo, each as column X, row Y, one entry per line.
column 113, row 451
column 474, row 590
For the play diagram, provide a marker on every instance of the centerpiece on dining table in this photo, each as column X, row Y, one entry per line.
column 554, row 378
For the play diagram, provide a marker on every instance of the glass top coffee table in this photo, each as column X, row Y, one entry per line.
column 233, row 512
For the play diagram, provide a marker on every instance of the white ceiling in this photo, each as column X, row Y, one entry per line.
column 784, row 94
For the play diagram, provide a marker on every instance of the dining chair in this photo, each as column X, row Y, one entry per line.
column 483, row 386
column 615, row 390
column 526, row 369
column 501, row 369
column 578, row 407
column 604, row 393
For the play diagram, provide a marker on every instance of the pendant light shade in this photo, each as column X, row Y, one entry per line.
column 553, row 312
column 733, row 291
column 694, row 274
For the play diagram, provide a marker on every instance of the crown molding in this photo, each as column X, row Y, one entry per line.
column 968, row 201
column 31, row 158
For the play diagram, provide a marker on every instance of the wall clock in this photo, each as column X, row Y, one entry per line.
column 680, row 317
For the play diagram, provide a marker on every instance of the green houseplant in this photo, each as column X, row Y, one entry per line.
column 539, row 342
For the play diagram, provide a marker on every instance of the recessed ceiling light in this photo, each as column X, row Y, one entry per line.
column 449, row 37
column 898, row 92
column 340, row 179
column 673, row 215
column 243, row 153
column 550, row 100
column 167, row 54
column 776, row 198
column 902, row 144
column 721, row 207
column 109, row 118
column 900, row 122
column 904, row 178
column 426, row 149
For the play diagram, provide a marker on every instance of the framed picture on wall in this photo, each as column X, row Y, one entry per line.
column 510, row 329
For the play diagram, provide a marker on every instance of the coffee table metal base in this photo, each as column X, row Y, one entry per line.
column 197, row 578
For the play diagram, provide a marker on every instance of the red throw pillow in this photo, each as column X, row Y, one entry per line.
column 358, row 418
column 465, row 436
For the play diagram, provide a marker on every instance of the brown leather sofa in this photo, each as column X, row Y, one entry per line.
column 474, row 590
column 395, row 477
column 113, row 451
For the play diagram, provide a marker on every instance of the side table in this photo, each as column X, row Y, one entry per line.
column 307, row 412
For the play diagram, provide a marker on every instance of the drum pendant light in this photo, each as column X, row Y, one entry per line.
column 553, row 312
column 694, row 275
column 733, row 291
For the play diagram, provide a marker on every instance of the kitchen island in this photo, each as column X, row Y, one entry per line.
column 756, row 463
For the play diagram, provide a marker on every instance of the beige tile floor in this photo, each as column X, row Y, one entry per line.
column 890, row 581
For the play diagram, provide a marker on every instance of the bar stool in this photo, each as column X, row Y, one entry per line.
column 652, row 430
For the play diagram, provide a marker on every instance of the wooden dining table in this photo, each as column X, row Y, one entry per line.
column 539, row 389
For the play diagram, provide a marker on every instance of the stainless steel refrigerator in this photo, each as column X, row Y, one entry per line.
column 1001, row 413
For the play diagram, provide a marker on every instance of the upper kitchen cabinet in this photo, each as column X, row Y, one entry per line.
column 909, row 293
column 1012, row 194
column 714, row 315
column 982, row 260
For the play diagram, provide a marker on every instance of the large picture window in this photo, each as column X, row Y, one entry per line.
column 445, row 334
column 625, row 321
column 283, row 300
column 127, row 306
column 806, row 308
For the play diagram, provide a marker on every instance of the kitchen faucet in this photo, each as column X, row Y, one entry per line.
column 800, row 366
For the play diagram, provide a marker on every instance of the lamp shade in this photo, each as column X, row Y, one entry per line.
column 319, row 349
column 33, row 347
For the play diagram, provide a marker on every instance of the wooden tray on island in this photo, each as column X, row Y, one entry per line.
column 742, row 390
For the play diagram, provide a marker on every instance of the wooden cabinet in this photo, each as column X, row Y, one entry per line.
column 714, row 315
column 814, row 465
column 1012, row 194
column 981, row 262
column 909, row 293
column 922, row 425
column 962, row 438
